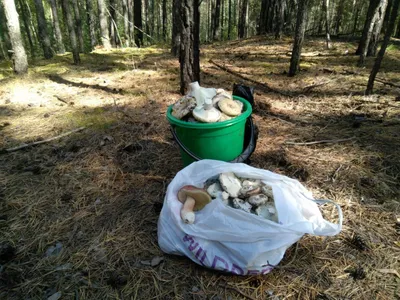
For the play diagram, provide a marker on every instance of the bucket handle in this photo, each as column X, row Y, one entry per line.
column 240, row 159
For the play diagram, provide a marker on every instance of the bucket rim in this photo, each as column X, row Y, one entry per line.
column 242, row 118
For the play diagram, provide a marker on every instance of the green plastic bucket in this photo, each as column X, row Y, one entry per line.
column 220, row 141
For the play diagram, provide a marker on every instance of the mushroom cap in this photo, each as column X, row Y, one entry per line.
column 183, row 107
column 224, row 117
column 207, row 116
column 229, row 107
column 200, row 196
column 230, row 183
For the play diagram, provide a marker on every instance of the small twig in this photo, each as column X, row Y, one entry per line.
column 61, row 99
column 320, row 142
column 44, row 141
column 237, row 290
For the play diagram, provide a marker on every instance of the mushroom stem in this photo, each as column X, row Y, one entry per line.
column 187, row 213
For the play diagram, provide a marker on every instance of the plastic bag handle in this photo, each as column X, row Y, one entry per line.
column 339, row 209
column 241, row 158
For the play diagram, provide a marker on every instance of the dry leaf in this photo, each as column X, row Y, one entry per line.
column 389, row 271
column 154, row 262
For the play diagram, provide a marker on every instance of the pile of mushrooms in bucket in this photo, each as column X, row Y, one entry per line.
column 206, row 105
column 249, row 195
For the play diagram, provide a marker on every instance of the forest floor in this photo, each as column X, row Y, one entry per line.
column 82, row 210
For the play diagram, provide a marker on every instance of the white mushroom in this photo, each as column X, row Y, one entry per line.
column 207, row 113
column 267, row 190
column 250, row 187
column 183, row 107
column 258, row 200
column 230, row 183
column 240, row 104
column 200, row 93
column 219, row 97
column 193, row 199
column 229, row 107
column 241, row 204
column 214, row 190
column 268, row 212
column 224, row 117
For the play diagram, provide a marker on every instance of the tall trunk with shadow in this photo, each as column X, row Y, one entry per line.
column 25, row 19
column 262, row 24
column 368, row 26
column 125, row 13
column 339, row 16
column 56, row 25
column 131, row 27
column 43, row 33
column 216, row 20
column 137, row 11
column 242, row 26
column 279, row 17
column 91, row 23
column 229, row 19
column 373, row 44
column 190, row 39
column 103, row 18
column 71, row 30
column 327, row 26
column 164, row 20
column 113, row 21
column 298, row 36
column 20, row 61
column 379, row 58
column 78, row 25
column 176, row 28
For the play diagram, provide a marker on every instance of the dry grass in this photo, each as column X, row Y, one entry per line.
column 99, row 192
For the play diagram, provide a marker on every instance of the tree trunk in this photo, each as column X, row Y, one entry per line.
column 262, row 23
column 216, row 20
column 328, row 35
column 387, row 16
column 356, row 14
column 339, row 16
column 103, row 18
column 176, row 35
column 91, row 24
column 27, row 28
column 242, row 20
column 113, row 28
column 56, row 25
column 42, row 26
column 373, row 44
column 146, row 17
column 279, row 18
column 126, row 22
column 71, row 30
column 131, row 28
column 388, row 34
column 229, row 19
column 189, row 48
column 368, row 26
column 164, row 20
column 6, row 38
column 20, row 61
column 137, row 10
column 222, row 20
column 3, row 53
column 78, row 24
column 298, row 37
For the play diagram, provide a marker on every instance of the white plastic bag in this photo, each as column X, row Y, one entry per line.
column 231, row 240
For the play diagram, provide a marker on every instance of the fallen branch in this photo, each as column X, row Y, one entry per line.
column 260, row 84
column 61, row 99
column 43, row 141
column 237, row 290
column 387, row 82
column 320, row 142
column 312, row 86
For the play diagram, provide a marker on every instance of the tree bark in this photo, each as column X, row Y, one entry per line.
column 242, row 26
column 164, row 20
column 78, row 24
column 137, row 10
column 222, row 20
column 56, row 25
column 216, row 20
column 189, row 49
column 20, row 61
column 131, row 28
column 126, row 22
column 103, row 18
column 262, row 24
column 373, row 44
column 388, row 34
column 298, row 37
column 113, row 28
column 339, row 16
column 71, row 30
column 279, row 18
column 27, row 28
column 327, row 19
column 368, row 26
column 356, row 13
column 229, row 19
column 176, row 35
column 6, row 41
column 91, row 23
column 42, row 26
